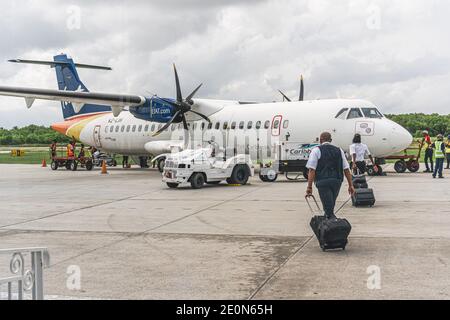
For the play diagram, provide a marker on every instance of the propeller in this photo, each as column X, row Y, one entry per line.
column 181, row 106
column 301, row 94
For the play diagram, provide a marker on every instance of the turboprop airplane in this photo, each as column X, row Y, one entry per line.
column 139, row 125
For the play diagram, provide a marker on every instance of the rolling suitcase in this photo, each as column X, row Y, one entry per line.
column 363, row 197
column 360, row 182
column 331, row 233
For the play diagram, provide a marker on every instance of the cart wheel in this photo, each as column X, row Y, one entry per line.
column 413, row 166
column 67, row 165
column 400, row 166
column 271, row 176
column 89, row 165
column 73, row 165
column 371, row 171
column 54, row 165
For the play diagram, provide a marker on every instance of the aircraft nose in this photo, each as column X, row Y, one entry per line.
column 400, row 138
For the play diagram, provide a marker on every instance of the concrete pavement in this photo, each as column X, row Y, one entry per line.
column 132, row 237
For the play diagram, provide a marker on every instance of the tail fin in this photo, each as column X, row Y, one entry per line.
column 68, row 79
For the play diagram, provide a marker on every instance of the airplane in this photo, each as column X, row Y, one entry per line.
column 138, row 125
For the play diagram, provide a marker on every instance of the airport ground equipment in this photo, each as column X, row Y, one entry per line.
column 406, row 160
column 290, row 158
column 332, row 233
column 61, row 160
column 25, row 277
column 202, row 166
column 109, row 159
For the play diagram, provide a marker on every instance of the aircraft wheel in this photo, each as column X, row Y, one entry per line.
column 67, row 165
column 54, row 165
column 197, row 180
column 172, row 185
column 400, row 166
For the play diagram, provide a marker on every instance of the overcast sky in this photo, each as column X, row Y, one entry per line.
column 393, row 53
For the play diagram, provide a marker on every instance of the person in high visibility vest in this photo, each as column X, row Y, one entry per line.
column 447, row 152
column 70, row 150
column 439, row 156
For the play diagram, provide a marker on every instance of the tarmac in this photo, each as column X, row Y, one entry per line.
column 131, row 237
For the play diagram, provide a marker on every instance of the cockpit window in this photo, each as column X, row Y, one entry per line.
column 341, row 114
column 371, row 113
column 354, row 113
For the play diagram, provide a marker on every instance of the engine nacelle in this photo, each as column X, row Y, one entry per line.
column 154, row 109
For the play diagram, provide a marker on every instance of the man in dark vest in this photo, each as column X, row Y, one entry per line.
column 327, row 166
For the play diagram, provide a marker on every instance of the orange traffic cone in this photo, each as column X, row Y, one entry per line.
column 44, row 163
column 104, row 171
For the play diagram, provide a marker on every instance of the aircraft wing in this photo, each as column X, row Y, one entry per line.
column 77, row 98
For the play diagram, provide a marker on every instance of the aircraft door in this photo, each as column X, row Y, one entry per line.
column 97, row 141
column 276, row 125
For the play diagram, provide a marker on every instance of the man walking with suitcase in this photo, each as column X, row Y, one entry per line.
column 327, row 166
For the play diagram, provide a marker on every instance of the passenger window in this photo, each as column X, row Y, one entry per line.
column 241, row 125
column 258, row 125
column 140, row 128
column 202, row 126
column 152, row 128
column 210, row 126
column 233, row 125
column 354, row 113
column 285, row 124
column 111, row 129
column 134, row 128
column 117, row 128
column 174, row 126
column 225, row 125
column 341, row 114
column 122, row 129
column 267, row 124
column 217, row 125
column 276, row 124
column 146, row 127
column 249, row 125
column 128, row 128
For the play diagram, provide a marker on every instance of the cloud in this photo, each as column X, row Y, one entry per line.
column 394, row 53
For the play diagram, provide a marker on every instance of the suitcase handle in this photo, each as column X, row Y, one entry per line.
column 309, row 204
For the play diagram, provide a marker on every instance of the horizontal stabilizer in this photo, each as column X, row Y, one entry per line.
column 55, row 63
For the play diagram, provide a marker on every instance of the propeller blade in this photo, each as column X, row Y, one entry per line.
column 177, row 83
column 185, row 126
column 201, row 115
column 189, row 97
column 164, row 127
column 284, row 96
column 302, row 89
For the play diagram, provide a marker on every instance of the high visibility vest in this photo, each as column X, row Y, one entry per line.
column 447, row 149
column 438, row 150
column 70, row 151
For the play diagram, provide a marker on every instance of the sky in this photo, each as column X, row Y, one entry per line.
column 394, row 53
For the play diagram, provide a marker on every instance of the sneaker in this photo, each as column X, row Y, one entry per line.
column 434, row 177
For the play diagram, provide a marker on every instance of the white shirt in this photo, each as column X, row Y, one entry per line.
column 316, row 154
column 360, row 149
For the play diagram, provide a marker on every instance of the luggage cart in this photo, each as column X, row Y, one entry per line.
column 407, row 161
column 60, row 160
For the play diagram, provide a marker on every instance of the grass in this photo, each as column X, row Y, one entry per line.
column 30, row 157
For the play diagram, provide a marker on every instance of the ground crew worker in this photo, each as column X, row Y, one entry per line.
column 358, row 152
column 428, row 151
column 70, row 150
column 447, row 152
column 88, row 153
column 53, row 149
column 125, row 162
column 82, row 152
column 327, row 166
column 439, row 155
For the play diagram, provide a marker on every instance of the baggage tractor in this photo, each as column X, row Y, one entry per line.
column 363, row 197
column 331, row 233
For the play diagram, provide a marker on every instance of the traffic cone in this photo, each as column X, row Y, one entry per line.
column 44, row 163
column 104, row 171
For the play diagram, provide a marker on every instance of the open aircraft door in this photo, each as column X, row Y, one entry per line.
column 97, row 141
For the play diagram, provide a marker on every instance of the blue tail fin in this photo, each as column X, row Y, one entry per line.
column 68, row 79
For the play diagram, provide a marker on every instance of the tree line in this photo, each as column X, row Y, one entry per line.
column 31, row 134
column 415, row 123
